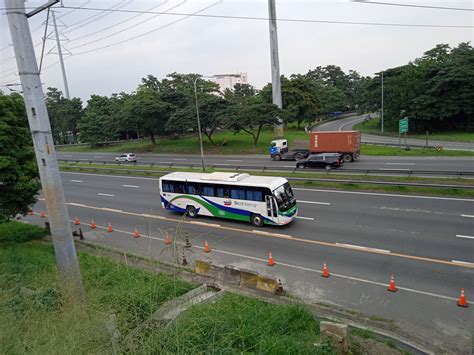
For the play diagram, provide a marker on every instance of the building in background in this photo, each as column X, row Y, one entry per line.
column 227, row 81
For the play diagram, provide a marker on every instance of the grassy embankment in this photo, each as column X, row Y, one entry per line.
column 34, row 320
column 242, row 144
column 158, row 171
column 373, row 127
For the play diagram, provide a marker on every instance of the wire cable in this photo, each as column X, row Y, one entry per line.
column 116, row 24
column 279, row 19
column 44, row 40
column 411, row 5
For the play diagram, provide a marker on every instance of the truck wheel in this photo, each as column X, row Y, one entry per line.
column 256, row 220
column 191, row 212
column 299, row 156
column 347, row 158
column 300, row 166
column 278, row 157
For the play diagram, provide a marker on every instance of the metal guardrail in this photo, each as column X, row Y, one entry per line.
column 402, row 172
column 290, row 178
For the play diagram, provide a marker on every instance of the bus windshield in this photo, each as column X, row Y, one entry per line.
column 284, row 197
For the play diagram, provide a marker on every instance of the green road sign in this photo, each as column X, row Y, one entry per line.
column 403, row 125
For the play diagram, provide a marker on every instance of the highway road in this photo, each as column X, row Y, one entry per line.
column 346, row 124
column 448, row 164
column 426, row 242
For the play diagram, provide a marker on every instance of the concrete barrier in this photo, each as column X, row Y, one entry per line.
column 338, row 332
column 202, row 267
column 232, row 275
column 248, row 279
column 267, row 284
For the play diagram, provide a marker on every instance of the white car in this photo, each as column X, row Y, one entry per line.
column 126, row 157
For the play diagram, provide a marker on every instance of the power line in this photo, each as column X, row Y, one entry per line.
column 151, row 31
column 279, row 19
column 116, row 24
column 411, row 5
column 127, row 28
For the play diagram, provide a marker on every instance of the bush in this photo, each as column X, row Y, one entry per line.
column 17, row 232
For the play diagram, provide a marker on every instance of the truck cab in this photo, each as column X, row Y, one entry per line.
column 277, row 148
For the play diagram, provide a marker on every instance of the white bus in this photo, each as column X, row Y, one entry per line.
column 256, row 199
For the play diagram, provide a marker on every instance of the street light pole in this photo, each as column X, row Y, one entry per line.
column 199, row 124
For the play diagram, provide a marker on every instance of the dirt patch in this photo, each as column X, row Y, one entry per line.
column 367, row 346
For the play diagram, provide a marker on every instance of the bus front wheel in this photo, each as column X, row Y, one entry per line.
column 191, row 212
column 256, row 220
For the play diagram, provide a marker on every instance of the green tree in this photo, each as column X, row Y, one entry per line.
column 64, row 114
column 19, row 182
column 251, row 115
column 99, row 123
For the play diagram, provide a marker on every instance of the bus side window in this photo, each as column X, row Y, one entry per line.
column 238, row 194
column 222, row 191
column 167, row 186
column 254, row 195
column 208, row 190
column 179, row 187
column 191, row 189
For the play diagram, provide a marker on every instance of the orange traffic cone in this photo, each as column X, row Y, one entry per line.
column 271, row 262
column 109, row 229
column 42, row 214
column 77, row 222
column 167, row 238
column 391, row 286
column 30, row 213
column 325, row 271
column 136, row 234
column 93, row 225
column 206, row 247
column 462, row 302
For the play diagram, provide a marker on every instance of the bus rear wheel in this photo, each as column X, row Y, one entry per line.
column 256, row 220
column 191, row 212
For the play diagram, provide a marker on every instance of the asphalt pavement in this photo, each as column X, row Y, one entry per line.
column 426, row 242
column 346, row 124
column 382, row 164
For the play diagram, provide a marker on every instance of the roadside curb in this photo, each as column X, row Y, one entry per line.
column 384, row 330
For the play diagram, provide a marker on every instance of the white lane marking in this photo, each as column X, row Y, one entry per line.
column 179, row 159
column 400, row 163
column 220, row 164
column 314, row 202
column 76, row 181
column 110, row 210
column 464, row 236
column 345, row 124
column 388, row 195
column 110, row 176
column 383, row 169
column 108, row 195
column 462, row 262
column 205, row 224
column 76, row 204
column 40, row 199
column 288, row 166
column 307, row 218
column 351, row 246
column 269, row 233
column 235, row 161
column 467, row 215
column 68, row 156
column 134, row 186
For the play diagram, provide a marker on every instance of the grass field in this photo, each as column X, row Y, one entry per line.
column 362, row 186
column 34, row 320
column 242, row 144
column 373, row 127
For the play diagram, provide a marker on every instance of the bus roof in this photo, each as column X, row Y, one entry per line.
column 238, row 179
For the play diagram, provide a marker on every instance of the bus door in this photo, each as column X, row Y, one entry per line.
column 272, row 212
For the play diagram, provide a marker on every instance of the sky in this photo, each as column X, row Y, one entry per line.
column 211, row 46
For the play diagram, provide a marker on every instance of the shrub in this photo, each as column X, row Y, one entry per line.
column 17, row 232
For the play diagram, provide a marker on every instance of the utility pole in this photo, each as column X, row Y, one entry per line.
column 275, row 62
column 381, row 115
column 64, row 248
column 199, row 124
column 60, row 52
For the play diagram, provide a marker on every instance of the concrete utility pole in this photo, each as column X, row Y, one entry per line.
column 275, row 61
column 381, row 114
column 65, row 251
column 199, row 124
column 60, row 52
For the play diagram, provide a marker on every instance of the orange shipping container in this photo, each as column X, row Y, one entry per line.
column 344, row 142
